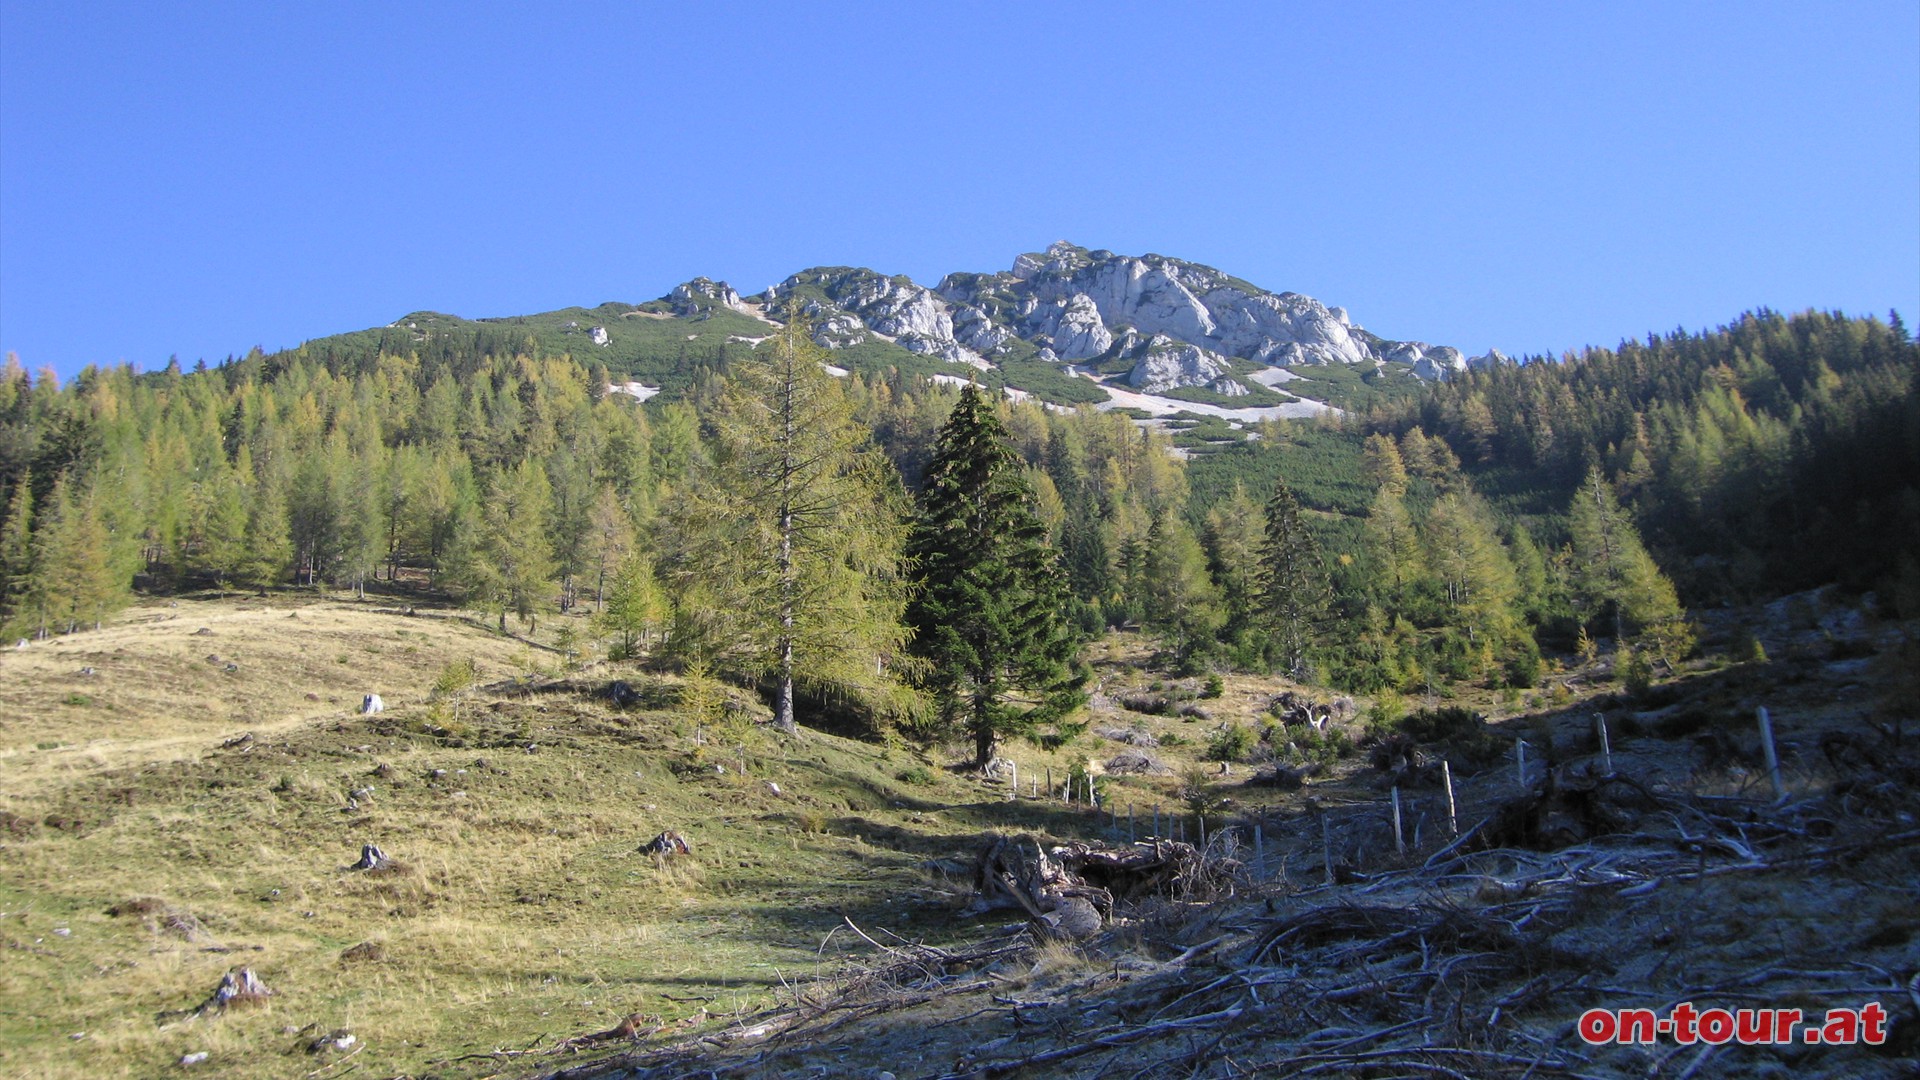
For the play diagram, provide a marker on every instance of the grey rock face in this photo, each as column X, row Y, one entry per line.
column 1071, row 304
column 1039, row 299
column 1073, row 325
column 1167, row 363
column 918, row 319
column 1439, row 362
column 599, row 335
column 976, row 330
column 703, row 294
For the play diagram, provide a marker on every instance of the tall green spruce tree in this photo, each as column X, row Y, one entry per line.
column 1295, row 585
column 989, row 608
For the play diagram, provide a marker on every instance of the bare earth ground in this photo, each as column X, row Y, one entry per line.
column 148, row 846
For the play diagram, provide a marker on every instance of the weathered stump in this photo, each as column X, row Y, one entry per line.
column 237, row 988
column 667, row 843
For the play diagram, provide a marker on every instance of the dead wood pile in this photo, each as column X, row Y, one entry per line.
column 1473, row 961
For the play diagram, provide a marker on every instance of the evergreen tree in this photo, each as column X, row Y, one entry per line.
column 1475, row 574
column 16, row 550
column 74, row 583
column 633, row 607
column 268, row 552
column 1183, row 604
column 515, row 565
column 1616, row 576
column 988, row 608
column 1234, row 533
column 218, row 524
column 1392, row 543
column 1295, row 586
column 610, row 536
column 796, row 525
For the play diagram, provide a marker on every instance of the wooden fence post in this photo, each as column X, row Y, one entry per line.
column 1773, row 758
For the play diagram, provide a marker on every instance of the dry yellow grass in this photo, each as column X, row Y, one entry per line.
column 523, row 909
column 161, row 688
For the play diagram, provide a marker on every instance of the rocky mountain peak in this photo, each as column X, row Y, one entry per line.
column 703, row 294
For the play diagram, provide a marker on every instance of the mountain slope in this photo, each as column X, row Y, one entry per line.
column 1068, row 325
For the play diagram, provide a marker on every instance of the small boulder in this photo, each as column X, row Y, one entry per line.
column 371, row 704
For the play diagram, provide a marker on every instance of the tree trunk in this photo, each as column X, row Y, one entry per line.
column 982, row 736
column 783, row 717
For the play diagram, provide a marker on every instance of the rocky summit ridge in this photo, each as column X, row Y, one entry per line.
column 1160, row 323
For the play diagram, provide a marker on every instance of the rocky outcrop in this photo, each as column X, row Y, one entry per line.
column 598, row 335
column 1185, row 301
column 976, row 330
column 1072, row 304
column 702, row 294
column 1072, row 327
column 914, row 317
column 1165, row 364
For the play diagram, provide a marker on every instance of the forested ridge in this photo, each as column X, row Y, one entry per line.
column 777, row 525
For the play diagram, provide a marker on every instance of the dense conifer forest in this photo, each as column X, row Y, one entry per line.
column 838, row 537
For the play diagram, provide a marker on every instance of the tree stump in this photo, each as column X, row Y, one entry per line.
column 237, row 988
column 667, row 843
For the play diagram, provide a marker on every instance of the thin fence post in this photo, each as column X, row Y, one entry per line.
column 1203, row 830
column 1453, row 818
column 1520, row 760
column 1156, row 822
column 1013, row 789
column 1326, row 844
column 1131, row 837
column 1399, row 838
column 1049, row 781
column 1259, row 853
column 1606, row 745
column 1773, row 759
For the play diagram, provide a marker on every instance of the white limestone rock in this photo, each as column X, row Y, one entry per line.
column 1166, row 363
column 917, row 318
column 1439, row 362
column 599, row 336
column 1072, row 324
column 976, row 330
column 838, row 330
column 703, row 294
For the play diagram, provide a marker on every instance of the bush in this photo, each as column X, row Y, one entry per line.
column 1215, row 686
column 1523, row 667
column 918, row 775
column 1636, row 672
column 1230, row 742
column 1387, row 711
column 1459, row 728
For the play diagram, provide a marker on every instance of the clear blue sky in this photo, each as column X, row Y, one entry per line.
column 197, row 179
